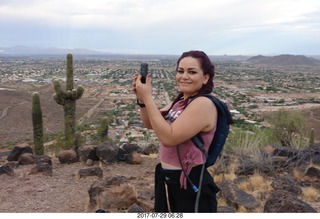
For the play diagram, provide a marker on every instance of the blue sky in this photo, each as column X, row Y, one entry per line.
column 232, row 27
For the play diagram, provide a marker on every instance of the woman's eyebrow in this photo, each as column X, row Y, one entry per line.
column 189, row 68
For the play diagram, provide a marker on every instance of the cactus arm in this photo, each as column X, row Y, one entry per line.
column 69, row 85
column 58, row 100
column 69, row 94
column 58, row 90
column 80, row 91
column 74, row 94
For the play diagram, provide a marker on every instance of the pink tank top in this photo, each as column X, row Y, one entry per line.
column 190, row 155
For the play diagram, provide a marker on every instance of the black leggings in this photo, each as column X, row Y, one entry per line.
column 181, row 200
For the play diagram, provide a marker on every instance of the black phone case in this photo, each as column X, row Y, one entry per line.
column 144, row 72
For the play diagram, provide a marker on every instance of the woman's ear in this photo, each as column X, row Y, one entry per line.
column 206, row 79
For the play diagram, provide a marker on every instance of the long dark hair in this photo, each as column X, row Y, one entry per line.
column 207, row 67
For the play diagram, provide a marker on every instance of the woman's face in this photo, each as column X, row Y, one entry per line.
column 190, row 76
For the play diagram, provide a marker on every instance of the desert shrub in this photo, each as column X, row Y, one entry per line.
column 59, row 143
column 245, row 140
column 287, row 127
column 11, row 145
column 103, row 129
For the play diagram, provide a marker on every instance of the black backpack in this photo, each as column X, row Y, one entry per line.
column 221, row 134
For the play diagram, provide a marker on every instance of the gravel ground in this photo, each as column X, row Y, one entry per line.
column 63, row 192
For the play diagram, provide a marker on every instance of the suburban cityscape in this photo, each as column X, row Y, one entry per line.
column 251, row 89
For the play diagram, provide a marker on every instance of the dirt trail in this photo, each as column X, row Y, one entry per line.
column 90, row 112
column 4, row 112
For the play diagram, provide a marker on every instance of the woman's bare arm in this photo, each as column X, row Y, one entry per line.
column 145, row 118
column 200, row 115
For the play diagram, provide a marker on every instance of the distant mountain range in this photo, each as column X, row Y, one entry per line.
column 26, row 50
column 284, row 60
column 267, row 60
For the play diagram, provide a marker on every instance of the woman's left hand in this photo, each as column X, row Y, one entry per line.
column 135, row 77
column 141, row 90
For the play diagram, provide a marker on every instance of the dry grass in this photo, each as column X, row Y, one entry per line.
column 296, row 174
column 259, row 185
column 310, row 194
column 222, row 177
column 257, row 181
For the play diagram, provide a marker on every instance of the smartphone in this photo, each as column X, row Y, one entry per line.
column 144, row 72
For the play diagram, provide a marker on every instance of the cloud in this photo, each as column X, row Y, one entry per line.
column 153, row 25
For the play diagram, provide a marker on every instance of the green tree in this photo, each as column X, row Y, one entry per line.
column 285, row 125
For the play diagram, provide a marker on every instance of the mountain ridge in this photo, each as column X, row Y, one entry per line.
column 23, row 49
column 284, row 59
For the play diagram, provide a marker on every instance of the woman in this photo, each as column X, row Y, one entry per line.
column 181, row 162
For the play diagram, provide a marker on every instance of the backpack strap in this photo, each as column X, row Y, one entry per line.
column 199, row 143
column 222, row 131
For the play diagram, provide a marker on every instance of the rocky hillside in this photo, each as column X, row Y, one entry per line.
column 121, row 179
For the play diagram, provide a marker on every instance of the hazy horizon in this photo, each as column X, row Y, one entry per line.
column 36, row 50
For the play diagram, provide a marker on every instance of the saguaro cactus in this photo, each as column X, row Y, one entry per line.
column 103, row 129
column 68, row 100
column 311, row 139
column 37, row 124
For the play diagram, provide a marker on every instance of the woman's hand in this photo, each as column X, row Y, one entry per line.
column 135, row 77
column 141, row 90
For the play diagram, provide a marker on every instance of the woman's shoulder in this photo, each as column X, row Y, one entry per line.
column 204, row 106
column 202, row 101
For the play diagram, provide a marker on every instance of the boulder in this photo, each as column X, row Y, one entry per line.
column 91, row 171
column 225, row 209
column 286, row 183
column 129, row 148
column 88, row 152
column 68, row 157
column 312, row 174
column 133, row 158
column 5, row 169
column 237, row 197
column 43, row 168
column 108, row 151
column 43, row 159
column 17, row 151
column 112, row 194
column 135, row 208
column 26, row 158
column 151, row 149
column 285, row 202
